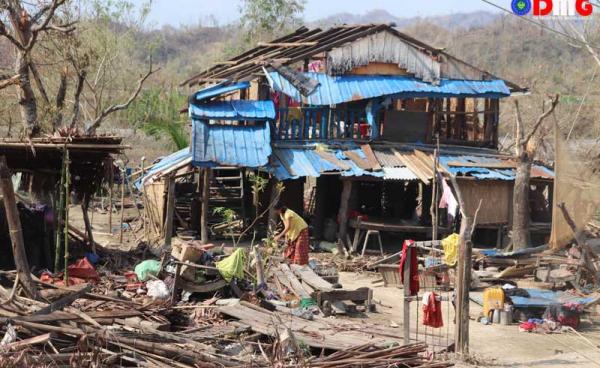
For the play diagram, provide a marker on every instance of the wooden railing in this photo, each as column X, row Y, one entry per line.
column 320, row 123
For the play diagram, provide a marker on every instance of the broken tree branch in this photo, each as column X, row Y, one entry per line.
column 540, row 120
column 16, row 231
column 10, row 81
column 114, row 108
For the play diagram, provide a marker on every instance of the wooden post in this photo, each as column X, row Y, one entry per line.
column 59, row 220
column 204, row 212
column 85, row 205
column 122, row 205
column 406, row 286
column 66, row 228
column 260, row 273
column 463, row 275
column 16, row 231
column 434, row 199
column 170, row 212
column 272, row 220
column 343, row 216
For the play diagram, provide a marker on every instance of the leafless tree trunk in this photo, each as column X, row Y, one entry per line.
column 16, row 231
column 24, row 32
column 525, row 149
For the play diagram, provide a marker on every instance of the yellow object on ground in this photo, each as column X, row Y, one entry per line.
column 493, row 298
column 297, row 224
column 450, row 245
column 232, row 266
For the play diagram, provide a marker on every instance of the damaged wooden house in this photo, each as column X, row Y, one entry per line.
column 38, row 169
column 363, row 125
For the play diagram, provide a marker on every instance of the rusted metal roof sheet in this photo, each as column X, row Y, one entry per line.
column 339, row 89
column 291, row 163
column 230, row 145
column 387, row 158
column 488, row 168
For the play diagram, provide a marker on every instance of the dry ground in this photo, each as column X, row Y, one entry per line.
column 493, row 345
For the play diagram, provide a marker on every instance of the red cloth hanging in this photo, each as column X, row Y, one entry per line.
column 432, row 310
column 414, row 267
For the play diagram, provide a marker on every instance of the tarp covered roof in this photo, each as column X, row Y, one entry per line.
column 230, row 145
column 233, row 110
column 339, row 89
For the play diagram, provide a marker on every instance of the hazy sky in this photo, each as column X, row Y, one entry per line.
column 178, row 12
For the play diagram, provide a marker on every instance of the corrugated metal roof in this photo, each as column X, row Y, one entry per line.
column 387, row 158
column 234, row 110
column 339, row 89
column 171, row 162
column 244, row 146
column 292, row 163
column 398, row 173
column 219, row 89
column 492, row 168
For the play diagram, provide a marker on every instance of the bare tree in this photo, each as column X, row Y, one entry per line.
column 525, row 150
column 49, row 25
column 23, row 31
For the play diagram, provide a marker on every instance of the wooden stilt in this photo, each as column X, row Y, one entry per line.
column 122, row 205
column 343, row 216
column 111, row 179
column 272, row 212
column 16, row 231
column 204, row 212
column 170, row 212
column 85, row 205
column 406, row 287
column 59, row 219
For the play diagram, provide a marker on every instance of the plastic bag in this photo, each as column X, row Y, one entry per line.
column 147, row 267
column 232, row 266
column 157, row 289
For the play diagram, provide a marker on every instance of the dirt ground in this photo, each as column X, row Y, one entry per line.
column 490, row 346
column 493, row 345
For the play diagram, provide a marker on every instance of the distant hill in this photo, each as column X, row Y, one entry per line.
column 451, row 21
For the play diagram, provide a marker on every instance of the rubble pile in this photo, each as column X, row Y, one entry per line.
column 196, row 307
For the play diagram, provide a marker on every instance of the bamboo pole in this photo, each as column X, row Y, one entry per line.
column 59, row 220
column 16, row 231
column 145, row 204
column 66, row 227
column 122, row 205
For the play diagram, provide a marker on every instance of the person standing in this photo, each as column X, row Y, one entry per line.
column 297, row 239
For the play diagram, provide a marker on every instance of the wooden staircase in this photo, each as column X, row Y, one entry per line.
column 227, row 187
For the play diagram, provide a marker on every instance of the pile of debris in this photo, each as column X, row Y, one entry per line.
column 196, row 307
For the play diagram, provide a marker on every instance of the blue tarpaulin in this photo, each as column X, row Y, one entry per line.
column 539, row 298
column 339, row 89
